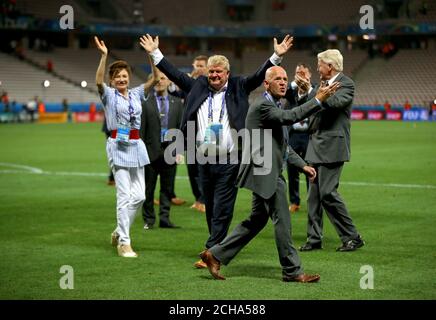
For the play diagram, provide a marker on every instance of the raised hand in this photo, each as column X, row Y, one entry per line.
column 284, row 46
column 148, row 43
column 100, row 46
column 325, row 91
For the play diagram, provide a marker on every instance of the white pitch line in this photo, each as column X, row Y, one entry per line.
column 19, row 166
column 390, row 185
column 33, row 170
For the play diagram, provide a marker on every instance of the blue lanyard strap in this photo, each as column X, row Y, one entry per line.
column 223, row 106
column 270, row 98
column 130, row 109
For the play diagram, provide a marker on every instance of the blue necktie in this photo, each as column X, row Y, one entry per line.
column 163, row 112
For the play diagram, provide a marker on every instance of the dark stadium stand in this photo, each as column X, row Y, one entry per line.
column 204, row 27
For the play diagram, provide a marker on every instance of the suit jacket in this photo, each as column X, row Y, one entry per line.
column 197, row 90
column 330, row 127
column 150, row 131
column 261, row 176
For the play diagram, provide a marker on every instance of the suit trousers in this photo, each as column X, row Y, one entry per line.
column 130, row 196
column 167, row 174
column 298, row 141
column 275, row 208
column 194, row 180
column 220, row 191
column 323, row 193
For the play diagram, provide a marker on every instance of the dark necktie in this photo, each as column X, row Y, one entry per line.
column 163, row 112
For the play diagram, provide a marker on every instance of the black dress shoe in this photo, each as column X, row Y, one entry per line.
column 351, row 245
column 168, row 225
column 311, row 246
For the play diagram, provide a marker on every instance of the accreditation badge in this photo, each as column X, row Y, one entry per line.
column 213, row 134
column 164, row 136
column 123, row 133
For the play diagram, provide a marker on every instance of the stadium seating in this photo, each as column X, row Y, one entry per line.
column 409, row 75
column 23, row 81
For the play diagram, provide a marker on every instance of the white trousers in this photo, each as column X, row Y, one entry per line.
column 130, row 186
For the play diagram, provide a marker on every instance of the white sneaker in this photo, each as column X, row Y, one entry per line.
column 125, row 251
column 114, row 238
column 148, row 226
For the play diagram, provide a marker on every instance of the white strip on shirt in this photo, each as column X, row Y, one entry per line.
column 133, row 154
column 226, row 143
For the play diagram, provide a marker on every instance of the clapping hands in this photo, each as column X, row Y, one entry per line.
column 325, row 91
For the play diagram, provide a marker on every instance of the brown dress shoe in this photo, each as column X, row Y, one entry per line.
column 177, row 201
column 156, row 202
column 212, row 264
column 199, row 206
column 302, row 278
column 294, row 208
column 200, row 265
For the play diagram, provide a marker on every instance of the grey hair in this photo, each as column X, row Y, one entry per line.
column 333, row 57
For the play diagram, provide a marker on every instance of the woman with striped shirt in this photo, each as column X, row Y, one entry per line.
column 125, row 150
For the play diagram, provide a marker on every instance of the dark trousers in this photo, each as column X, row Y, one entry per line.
column 167, row 175
column 218, row 183
column 194, row 180
column 275, row 208
column 298, row 141
column 323, row 193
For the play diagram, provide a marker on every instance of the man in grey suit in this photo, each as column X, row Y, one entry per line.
column 261, row 172
column 328, row 149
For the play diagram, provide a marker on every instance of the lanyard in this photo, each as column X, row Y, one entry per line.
column 130, row 109
column 223, row 106
column 270, row 98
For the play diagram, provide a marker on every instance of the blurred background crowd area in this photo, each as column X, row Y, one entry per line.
column 46, row 69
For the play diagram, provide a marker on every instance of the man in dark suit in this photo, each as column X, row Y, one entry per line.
column 298, row 135
column 328, row 149
column 216, row 106
column 261, row 172
column 160, row 114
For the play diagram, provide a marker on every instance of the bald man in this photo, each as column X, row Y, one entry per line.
column 261, row 172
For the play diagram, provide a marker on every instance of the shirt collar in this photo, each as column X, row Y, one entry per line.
column 272, row 99
column 331, row 80
column 223, row 88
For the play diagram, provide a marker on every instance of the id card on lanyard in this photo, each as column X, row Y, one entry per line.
column 214, row 131
column 124, row 127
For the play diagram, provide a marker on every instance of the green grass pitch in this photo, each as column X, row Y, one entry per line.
column 56, row 210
